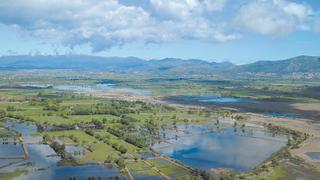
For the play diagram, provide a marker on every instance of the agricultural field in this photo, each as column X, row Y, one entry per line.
column 103, row 129
column 141, row 132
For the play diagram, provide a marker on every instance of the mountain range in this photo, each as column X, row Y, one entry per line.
column 300, row 64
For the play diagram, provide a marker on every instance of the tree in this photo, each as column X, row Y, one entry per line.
column 104, row 120
column 40, row 128
column 122, row 149
column 46, row 138
column 289, row 142
column 11, row 108
column 120, row 163
column 98, row 124
column 59, row 149
column 108, row 160
column 235, row 124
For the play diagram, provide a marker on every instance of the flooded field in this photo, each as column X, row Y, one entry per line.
column 202, row 146
column 75, row 151
column 42, row 156
column 102, row 88
column 283, row 115
column 182, row 144
column 10, row 150
column 273, row 108
column 207, row 147
column 40, row 161
column 77, row 172
column 214, row 98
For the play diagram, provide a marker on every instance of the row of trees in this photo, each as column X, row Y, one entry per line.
column 131, row 139
column 59, row 149
column 106, row 139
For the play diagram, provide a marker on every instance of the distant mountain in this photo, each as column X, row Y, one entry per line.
column 74, row 62
column 304, row 64
column 96, row 63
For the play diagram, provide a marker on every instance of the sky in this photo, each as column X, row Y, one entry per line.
column 239, row 31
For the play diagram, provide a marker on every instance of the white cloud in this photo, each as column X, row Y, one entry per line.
column 179, row 9
column 107, row 23
column 300, row 11
column 186, row 8
column 103, row 24
column 274, row 17
column 214, row 5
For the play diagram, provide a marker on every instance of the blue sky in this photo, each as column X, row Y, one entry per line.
column 215, row 30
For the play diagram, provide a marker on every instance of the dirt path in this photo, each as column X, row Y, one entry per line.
column 157, row 170
column 129, row 174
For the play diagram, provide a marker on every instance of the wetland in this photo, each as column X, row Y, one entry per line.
column 91, row 128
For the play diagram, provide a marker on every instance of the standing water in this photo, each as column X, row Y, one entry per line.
column 225, row 148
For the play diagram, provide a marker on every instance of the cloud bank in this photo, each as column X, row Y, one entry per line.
column 103, row 24
column 275, row 17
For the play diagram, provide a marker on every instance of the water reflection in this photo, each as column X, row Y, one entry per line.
column 225, row 148
column 283, row 115
column 75, row 151
column 78, row 172
column 314, row 155
column 28, row 131
column 42, row 161
column 42, row 155
column 213, row 98
column 102, row 87
column 10, row 150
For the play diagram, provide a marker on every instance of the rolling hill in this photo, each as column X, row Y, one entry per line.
column 301, row 64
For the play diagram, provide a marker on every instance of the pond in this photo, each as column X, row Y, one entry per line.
column 240, row 150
